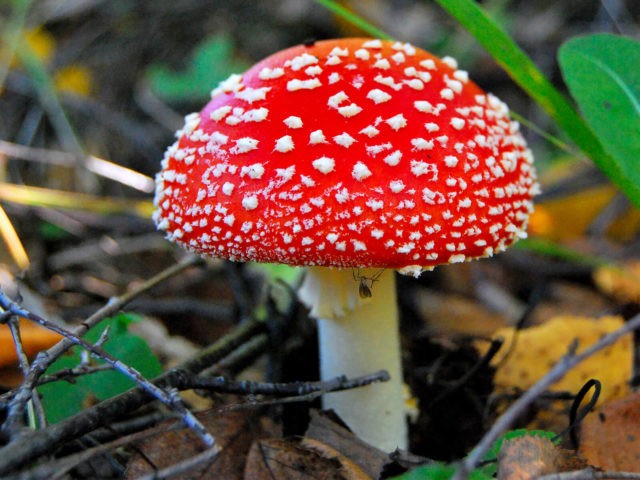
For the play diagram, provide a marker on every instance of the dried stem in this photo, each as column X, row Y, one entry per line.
column 183, row 466
column 68, row 374
column 59, row 467
column 225, row 385
column 36, row 410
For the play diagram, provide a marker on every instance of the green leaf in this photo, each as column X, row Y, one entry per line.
column 438, row 471
column 525, row 73
column 62, row 399
column 211, row 62
column 279, row 271
column 603, row 74
column 434, row 471
column 52, row 232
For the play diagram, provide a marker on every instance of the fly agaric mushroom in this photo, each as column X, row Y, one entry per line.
column 354, row 157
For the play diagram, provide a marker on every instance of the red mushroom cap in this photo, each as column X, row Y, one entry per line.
column 350, row 153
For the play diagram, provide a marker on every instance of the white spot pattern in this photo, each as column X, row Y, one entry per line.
column 261, row 162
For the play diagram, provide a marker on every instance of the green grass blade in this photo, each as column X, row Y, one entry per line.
column 354, row 19
column 525, row 73
column 11, row 34
column 43, row 84
column 561, row 252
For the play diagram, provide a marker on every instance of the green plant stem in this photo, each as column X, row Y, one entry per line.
column 48, row 96
column 11, row 36
column 552, row 139
column 43, row 84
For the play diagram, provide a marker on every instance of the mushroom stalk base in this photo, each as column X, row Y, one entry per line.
column 359, row 336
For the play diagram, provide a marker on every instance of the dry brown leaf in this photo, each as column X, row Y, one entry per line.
column 531, row 456
column 610, row 437
column 275, row 459
column 10, row 377
column 537, row 349
column 452, row 314
column 620, row 282
column 34, row 339
column 323, row 430
column 568, row 298
column 327, row 451
column 233, row 431
column 349, row 469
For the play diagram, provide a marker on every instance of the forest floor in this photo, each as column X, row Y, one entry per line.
column 87, row 111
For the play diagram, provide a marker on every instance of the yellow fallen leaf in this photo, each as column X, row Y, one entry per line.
column 570, row 216
column 620, row 282
column 34, row 339
column 542, row 222
column 75, row 79
column 537, row 349
column 41, row 42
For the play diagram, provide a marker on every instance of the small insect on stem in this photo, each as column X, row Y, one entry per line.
column 365, row 283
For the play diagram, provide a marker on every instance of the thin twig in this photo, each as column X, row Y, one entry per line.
column 240, row 358
column 169, row 398
column 19, row 402
column 31, row 445
column 115, row 304
column 70, row 374
column 98, row 166
column 59, row 467
column 309, row 391
column 46, row 358
column 67, row 375
column 183, row 466
column 560, row 369
column 225, row 385
column 23, row 361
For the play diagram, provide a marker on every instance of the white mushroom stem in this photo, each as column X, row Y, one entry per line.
column 359, row 336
